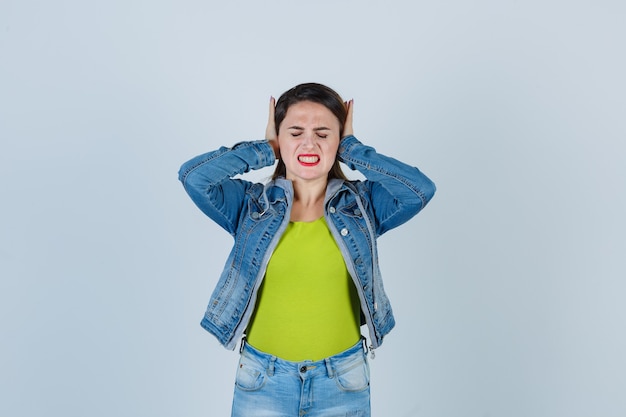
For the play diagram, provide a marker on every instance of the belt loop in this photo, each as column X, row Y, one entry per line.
column 364, row 342
column 270, row 366
column 243, row 342
column 329, row 368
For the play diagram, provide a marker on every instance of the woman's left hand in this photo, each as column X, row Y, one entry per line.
column 347, row 127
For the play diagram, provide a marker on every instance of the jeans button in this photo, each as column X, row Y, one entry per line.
column 303, row 369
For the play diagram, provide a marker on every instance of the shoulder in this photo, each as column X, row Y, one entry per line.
column 269, row 189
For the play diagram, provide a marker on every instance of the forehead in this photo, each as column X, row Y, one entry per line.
column 310, row 113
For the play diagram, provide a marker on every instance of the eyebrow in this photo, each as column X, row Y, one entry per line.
column 316, row 129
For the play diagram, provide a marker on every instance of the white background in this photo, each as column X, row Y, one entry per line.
column 508, row 288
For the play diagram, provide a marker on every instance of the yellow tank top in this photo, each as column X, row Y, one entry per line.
column 307, row 306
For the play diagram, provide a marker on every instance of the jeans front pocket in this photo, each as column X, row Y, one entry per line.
column 250, row 375
column 355, row 376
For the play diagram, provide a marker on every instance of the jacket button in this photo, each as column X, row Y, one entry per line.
column 255, row 215
column 344, row 232
column 332, row 210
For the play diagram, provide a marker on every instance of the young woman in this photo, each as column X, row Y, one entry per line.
column 303, row 274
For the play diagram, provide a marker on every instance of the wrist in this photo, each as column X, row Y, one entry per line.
column 274, row 144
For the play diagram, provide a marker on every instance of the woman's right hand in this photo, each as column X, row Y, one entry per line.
column 270, row 130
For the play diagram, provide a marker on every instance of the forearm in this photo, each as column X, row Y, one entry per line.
column 207, row 179
column 215, row 166
column 398, row 190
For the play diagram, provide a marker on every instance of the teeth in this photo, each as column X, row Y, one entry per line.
column 308, row 159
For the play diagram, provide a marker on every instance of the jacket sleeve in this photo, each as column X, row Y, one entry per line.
column 397, row 191
column 208, row 179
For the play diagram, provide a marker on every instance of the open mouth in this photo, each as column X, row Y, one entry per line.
column 308, row 160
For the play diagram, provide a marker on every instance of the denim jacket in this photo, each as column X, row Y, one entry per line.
column 256, row 215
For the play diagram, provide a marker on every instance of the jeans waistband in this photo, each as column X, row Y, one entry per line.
column 329, row 366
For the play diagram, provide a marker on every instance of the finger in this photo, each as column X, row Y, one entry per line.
column 347, row 128
column 270, row 130
column 272, row 109
column 272, row 106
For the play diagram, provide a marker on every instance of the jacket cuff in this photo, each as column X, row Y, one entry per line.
column 263, row 150
column 346, row 144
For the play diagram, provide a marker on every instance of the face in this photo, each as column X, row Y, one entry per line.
column 308, row 138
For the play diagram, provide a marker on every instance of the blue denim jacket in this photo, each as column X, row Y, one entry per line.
column 256, row 215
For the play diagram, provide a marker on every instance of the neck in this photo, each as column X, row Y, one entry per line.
column 308, row 204
column 309, row 193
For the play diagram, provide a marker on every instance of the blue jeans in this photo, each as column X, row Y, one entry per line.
column 267, row 386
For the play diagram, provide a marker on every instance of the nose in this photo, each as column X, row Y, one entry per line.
column 308, row 140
